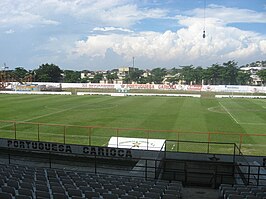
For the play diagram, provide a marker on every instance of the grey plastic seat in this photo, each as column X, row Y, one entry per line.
column 252, row 197
column 42, row 194
column 13, row 183
column 119, row 192
column 22, row 197
column 74, row 192
column 152, row 195
column 85, row 188
column 8, row 189
column 109, row 196
column 235, row 196
column 59, row 196
column 59, row 190
column 141, row 189
column 26, row 192
column 109, row 186
column 4, row 195
column 135, row 193
column 95, row 185
column 26, row 185
column 40, row 187
column 128, row 197
column 91, row 194
column 169, row 196
column 124, row 187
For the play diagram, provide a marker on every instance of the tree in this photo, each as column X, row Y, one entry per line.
column 262, row 75
column 230, row 73
column 20, row 72
column 135, row 75
column 48, row 73
column 97, row 78
column 157, row 75
column 198, row 75
column 243, row 78
column 111, row 76
column 187, row 74
column 71, row 76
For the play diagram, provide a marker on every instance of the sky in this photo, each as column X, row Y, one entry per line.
column 107, row 34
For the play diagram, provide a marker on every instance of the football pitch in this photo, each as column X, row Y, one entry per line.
column 139, row 116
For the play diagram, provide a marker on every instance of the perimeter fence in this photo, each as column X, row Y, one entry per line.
column 248, row 144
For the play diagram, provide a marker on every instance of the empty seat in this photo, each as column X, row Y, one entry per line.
column 109, row 186
column 252, row 197
column 152, row 195
column 13, row 183
column 4, row 195
column 81, row 183
column 128, row 197
column 74, row 192
column 135, row 193
column 95, row 185
column 26, row 185
column 261, row 194
column 77, row 197
column 235, row 196
column 60, row 190
column 101, row 190
column 26, row 192
column 109, row 196
column 124, row 187
column 8, row 189
column 242, row 189
column 169, row 196
column 59, row 196
column 173, row 192
column 141, row 189
column 156, row 190
column 42, row 194
column 119, row 192
column 22, row 197
column 91, row 194
column 85, row 188
column 40, row 187
column 2, row 182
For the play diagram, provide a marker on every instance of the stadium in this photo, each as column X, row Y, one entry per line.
column 188, row 122
column 191, row 143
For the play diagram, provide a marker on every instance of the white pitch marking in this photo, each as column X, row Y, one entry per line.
column 252, row 123
column 229, row 113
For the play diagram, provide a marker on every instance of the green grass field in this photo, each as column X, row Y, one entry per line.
column 188, row 116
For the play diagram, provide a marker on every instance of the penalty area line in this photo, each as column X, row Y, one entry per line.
column 229, row 113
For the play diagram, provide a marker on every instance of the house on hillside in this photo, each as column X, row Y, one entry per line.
column 252, row 70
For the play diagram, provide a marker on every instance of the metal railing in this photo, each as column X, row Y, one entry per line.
column 249, row 144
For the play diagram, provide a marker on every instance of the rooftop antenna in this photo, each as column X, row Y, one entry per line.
column 204, row 10
column 133, row 59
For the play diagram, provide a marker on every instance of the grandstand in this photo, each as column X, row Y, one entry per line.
column 32, row 169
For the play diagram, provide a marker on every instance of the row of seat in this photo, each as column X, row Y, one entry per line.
column 23, row 182
column 228, row 191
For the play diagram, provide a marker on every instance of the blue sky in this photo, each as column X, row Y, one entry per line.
column 100, row 35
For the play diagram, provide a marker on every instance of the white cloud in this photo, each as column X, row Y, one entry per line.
column 10, row 31
column 184, row 45
column 263, row 46
column 119, row 13
column 229, row 15
column 112, row 29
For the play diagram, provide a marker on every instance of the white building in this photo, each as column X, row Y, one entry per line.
column 253, row 73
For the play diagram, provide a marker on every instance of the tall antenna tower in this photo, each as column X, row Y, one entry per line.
column 133, row 60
